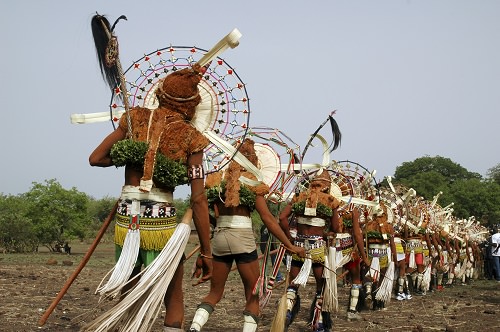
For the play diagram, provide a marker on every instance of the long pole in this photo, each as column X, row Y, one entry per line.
column 80, row 267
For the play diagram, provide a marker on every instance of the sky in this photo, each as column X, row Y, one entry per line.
column 407, row 78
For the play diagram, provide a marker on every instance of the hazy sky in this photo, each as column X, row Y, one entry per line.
column 407, row 78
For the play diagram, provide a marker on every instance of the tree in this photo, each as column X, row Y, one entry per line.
column 494, row 174
column 471, row 194
column 57, row 214
column 98, row 211
column 444, row 166
column 475, row 198
column 18, row 234
column 430, row 175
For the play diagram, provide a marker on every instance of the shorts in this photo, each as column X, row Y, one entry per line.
column 233, row 241
column 238, row 258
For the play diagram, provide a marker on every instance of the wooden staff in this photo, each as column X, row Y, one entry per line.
column 80, row 267
column 195, row 249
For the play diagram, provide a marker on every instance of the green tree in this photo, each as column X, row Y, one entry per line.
column 98, row 211
column 430, row 175
column 477, row 198
column 181, row 205
column 444, row 166
column 471, row 194
column 57, row 214
column 18, row 233
column 494, row 174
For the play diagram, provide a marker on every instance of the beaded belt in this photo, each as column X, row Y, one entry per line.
column 343, row 241
column 377, row 250
column 313, row 242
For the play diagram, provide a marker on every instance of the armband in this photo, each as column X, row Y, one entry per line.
column 196, row 172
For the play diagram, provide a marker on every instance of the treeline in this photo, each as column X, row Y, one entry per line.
column 470, row 193
column 49, row 215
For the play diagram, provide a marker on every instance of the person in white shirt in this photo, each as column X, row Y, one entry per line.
column 495, row 253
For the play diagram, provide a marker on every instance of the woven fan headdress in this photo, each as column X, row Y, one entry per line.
column 224, row 108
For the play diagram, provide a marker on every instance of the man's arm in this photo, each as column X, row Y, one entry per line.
column 273, row 226
column 100, row 156
column 358, row 236
column 201, row 220
column 199, row 204
column 284, row 215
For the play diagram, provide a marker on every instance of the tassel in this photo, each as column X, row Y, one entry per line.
column 412, row 264
column 258, row 289
column 122, row 270
column 301, row 278
column 385, row 289
column 342, row 259
column 374, row 271
column 138, row 311
column 278, row 323
column 330, row 299
column 265, row 295
column 427, row 278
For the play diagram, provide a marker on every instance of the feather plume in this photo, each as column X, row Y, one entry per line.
column 337, row 135
column 102, row 33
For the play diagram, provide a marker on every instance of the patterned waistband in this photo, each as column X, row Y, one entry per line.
column 312, row 242
column 145, row 209
column 343, row 241
column 377, row 250
column 413, row 243
column 147, row 224
column 234, row 222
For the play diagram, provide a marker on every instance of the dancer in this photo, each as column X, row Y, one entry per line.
column 147, row 196
column 415, row 237
column 403, row 292
column 379, row 235
column 316, row 212
column 349, row 242
column 232, row 202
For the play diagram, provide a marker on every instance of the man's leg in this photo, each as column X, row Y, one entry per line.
column 174, row 300
column 496, row 267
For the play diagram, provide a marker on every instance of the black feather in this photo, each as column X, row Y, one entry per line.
column 101, row 32
column 337, row 135
column 123, row 17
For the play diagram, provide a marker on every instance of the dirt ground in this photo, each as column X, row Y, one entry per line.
column 28, row 285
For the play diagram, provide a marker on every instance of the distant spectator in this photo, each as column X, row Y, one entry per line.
column 67, row 248
column 495, row 252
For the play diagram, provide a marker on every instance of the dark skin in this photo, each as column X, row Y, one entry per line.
column 173, row 300
column 385, row 228
column 306, row 230
column 354, row 269
column 249, row 272
column 401, row 265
